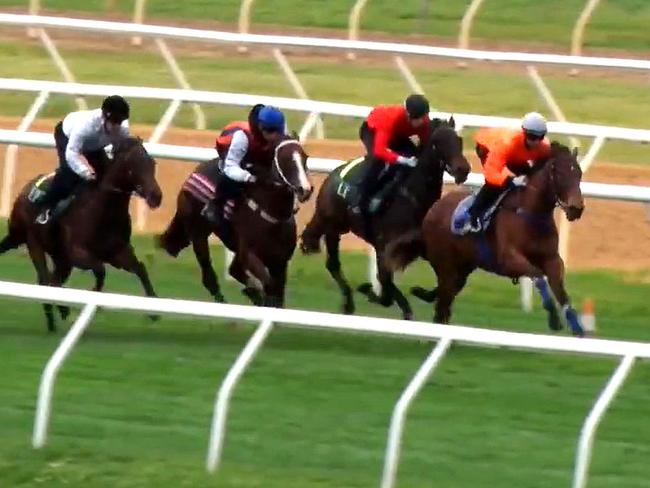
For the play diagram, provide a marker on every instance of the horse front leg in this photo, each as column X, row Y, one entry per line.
column 127, row 260
column 333, row 265
column 554, row 268
column 548, row 303
column 37, row 255
column 60, row 274
column 274, row 291
column 208, row 276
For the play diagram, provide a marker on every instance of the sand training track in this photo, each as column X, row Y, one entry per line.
column 610, row 235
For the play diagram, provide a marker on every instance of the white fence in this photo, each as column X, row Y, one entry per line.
column 629, row 193
column 314, row 42
column 266, row 317
column 308, row 106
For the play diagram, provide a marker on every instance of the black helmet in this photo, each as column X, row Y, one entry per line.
column 115, row 109
column 416, row 106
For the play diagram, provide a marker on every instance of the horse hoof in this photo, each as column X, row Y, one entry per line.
column 154, row 318
column 407, row 316
column 253, row 294
column 218, row 298
column 428, row 296
column 554, row 322
column 365, row 288
column 307, row 249
column 64, row 312
column 348, row 308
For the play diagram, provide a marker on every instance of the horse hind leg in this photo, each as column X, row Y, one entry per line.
column 37, row 255
column 310, row 238
column 449, row 285
column 333, row 265
column 252, row 287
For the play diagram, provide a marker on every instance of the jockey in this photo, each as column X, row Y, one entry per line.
column 386, row 137
column 80, row 140
column 507, row 156
column 244, row 142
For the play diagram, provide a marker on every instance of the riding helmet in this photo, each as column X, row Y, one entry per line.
column 271, row 119
column 115, row 109
column 416, row 106
column 534, row 124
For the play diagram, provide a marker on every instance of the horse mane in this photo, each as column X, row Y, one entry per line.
column 126, row 143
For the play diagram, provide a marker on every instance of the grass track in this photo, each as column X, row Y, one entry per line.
column 133, row 405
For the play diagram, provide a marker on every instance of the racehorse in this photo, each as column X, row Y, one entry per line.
column 404, row 212
column 521, row 240
column 263, row 224
column 95, row 229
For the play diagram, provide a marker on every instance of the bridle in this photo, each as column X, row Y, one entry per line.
column 276, row 163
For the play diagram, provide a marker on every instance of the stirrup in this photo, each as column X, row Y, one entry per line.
column 44, row 217
column 210, row 213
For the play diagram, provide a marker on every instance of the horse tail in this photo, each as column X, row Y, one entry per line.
column 175, row 238
column 404, row 250
column 16, row 235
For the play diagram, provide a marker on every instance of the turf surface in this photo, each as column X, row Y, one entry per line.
column 133, row 404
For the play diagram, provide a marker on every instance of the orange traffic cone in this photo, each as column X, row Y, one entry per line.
column 588, row 316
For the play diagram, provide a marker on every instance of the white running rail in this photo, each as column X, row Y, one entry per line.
column 445, row 334
column 148, row 30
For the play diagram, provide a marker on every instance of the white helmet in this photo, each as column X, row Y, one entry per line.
column 534, row 123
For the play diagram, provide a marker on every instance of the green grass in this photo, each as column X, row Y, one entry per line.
column 619, row 24
column 133, row 403
column 602, row 101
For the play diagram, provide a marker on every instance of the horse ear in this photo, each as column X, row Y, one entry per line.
column 452, row 122
column 575, row 152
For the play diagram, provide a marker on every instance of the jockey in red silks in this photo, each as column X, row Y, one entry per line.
column 243, row 144
column 507, row 156
column 80, row 139
column 386, row 136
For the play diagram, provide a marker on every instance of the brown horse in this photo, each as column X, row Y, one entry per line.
column 264, row 225
column 96, row 229
column 522, row 239
column 404, row 212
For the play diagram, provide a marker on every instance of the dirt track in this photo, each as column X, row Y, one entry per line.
column 610, row 235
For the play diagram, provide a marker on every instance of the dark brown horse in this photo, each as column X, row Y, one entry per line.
column 96, row 229
column 264, row 225
column 404, row 212
column 522, row 239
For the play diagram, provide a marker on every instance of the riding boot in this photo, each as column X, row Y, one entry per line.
column 56, row 192
column 485, row 198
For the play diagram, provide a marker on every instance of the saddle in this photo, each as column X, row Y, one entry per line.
column 460, row 215
column 39, row 189
column 349, row 181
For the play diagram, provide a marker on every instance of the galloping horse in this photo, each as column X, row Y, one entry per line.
column 522, row 239
column 96, row 229
column 405, row 212
column 264, row 225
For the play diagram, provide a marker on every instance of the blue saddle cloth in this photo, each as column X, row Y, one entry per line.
column 461, row 215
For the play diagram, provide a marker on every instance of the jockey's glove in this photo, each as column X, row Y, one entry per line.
column 519, row 181
column 87, row 174
column 251, row 178
column 410, row 162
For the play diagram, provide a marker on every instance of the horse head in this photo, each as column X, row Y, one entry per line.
column 290, row 168
column 565, row 175
column 447, row 146
column 133, row 170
